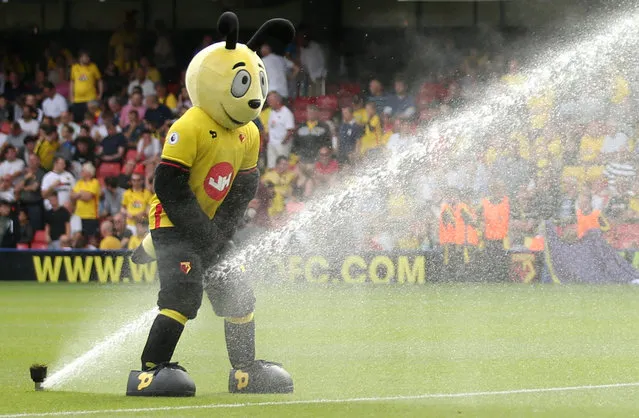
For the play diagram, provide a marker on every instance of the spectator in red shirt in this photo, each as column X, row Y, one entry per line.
column 326, row 168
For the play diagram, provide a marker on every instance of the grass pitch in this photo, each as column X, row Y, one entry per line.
column 389, row 345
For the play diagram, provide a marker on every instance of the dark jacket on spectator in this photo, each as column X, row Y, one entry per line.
column 308, row 141
column 159, row 115
column 26, row 234
column 9, row 232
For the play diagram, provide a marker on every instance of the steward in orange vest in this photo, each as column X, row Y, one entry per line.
column 595, row 220
column 466, row 233
column 496, row 216
column 446, row 229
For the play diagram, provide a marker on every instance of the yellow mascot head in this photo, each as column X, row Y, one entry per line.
column 228, row 79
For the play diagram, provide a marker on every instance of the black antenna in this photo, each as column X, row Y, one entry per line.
column 280, row 29
column 229, row 26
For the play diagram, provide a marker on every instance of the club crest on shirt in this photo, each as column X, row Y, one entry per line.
column 242, row 137
column 185, row 266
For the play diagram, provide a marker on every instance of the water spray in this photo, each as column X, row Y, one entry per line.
column 117, row 338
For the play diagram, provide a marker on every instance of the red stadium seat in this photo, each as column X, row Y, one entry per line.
column 21, row 246
column 345, row 99
column 302, row 102
column 131, row 155
column 40, row 236
column 332, row 88
column 108, row 170
column 624, row 236
column 139, row 169
column 326, row 114
column 39, row 246
column 328, row 102
column 353, row 88
column 300, row 115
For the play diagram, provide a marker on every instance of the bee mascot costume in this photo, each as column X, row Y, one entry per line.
column 207, row 177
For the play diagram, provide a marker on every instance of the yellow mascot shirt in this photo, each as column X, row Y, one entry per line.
column 212, row 153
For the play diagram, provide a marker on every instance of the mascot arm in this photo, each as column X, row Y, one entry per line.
column 234, row 206
column 180, row 203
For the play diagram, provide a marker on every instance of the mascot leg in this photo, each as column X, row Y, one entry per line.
column 179, row 299
column 240, row 340
column 232, row 297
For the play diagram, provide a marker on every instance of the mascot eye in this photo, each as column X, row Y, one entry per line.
column 241, row 83
column 263, row 83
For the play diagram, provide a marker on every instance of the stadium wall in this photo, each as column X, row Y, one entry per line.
column 49, row 15
column 412, row 268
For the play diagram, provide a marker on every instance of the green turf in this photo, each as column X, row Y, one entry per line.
column 343, row 342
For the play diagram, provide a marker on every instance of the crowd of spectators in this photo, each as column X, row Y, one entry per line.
column 79, row 145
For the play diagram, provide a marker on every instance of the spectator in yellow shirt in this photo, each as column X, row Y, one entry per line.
column 372, row 137
column 135, row 202
column 108, row 242
column 152, row 73
column 125, row 63
column 282, row 179
column 590, row 148
column 84, row 78
column 125, row 37
column 47, row 146
column 141, row 229
column 86, row 196
column 164, row 97
column 359, row 111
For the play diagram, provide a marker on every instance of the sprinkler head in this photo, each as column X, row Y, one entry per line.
column 38, row 374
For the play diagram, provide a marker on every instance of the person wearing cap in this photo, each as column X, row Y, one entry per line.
column 47, row 146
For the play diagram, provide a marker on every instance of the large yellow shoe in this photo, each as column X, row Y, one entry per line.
column 168, row 379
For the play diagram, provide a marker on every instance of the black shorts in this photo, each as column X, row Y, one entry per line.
column 183, row 280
